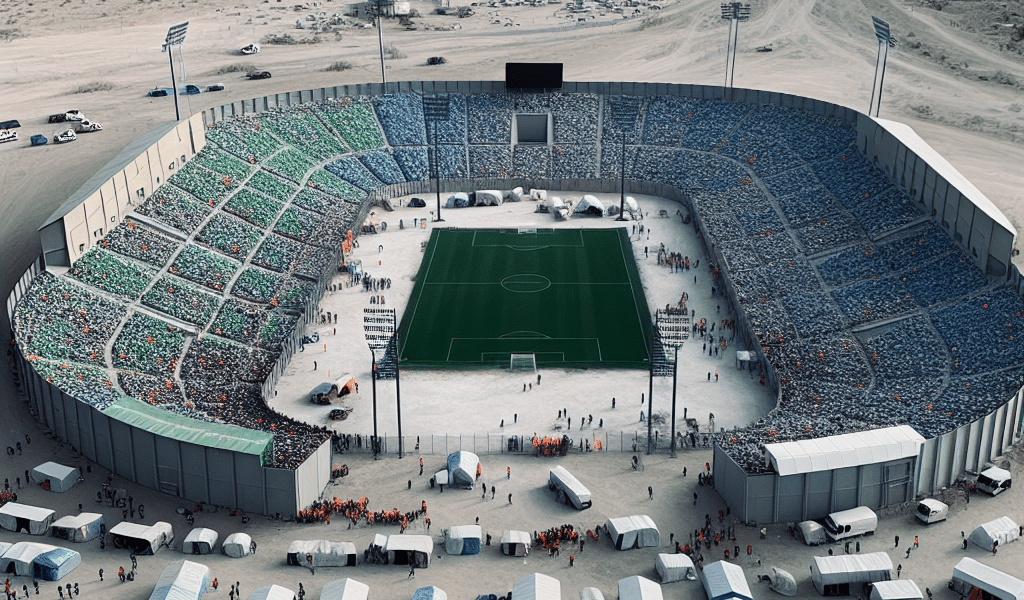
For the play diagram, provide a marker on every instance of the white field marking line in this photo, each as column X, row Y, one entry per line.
column 632, row 290
column 430, row 263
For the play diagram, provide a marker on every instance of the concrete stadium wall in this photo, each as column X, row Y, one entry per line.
column 283, row 491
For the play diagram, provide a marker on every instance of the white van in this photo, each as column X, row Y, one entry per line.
column 994, row 480
column 932, row 511
column 851, row 523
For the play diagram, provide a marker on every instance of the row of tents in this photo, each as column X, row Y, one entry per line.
column 587, row 206
column 40, row 561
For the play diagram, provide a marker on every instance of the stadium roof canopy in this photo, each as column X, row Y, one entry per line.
column 848, row 450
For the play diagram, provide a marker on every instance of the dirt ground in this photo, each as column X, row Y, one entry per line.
column 953, row 78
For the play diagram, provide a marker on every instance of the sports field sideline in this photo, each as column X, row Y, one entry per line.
column 570, row 297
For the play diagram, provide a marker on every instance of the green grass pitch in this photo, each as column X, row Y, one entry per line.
column 572, row 297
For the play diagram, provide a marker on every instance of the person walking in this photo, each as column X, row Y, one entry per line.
column 421, row 465
column 572, row 559
column 897, row 542
column 899, row 569
column 508, row 472
column 916, row 541
column 101, row 574
column 650, row 492
column 510, row 499
column 412, row 571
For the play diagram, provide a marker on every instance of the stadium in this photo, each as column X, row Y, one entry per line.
column 872, row 281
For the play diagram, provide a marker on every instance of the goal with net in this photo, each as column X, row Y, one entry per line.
column 523, row 362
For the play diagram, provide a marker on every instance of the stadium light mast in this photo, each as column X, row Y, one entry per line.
column 734, row 12
column 175, row 37
column 373, row 380
column 378, row 12
column 625, row 113
column 436, row 108
column 885, row 41
column 673, row 329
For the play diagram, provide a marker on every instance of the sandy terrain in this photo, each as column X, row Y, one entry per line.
column 822, row 49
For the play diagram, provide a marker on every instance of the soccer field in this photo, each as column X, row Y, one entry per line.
column 571, row 297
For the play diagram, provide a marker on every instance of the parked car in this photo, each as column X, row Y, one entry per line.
column 38, row 140
column 258, row 75
column 765, row 48
column 65, row 136
column 57, row 118
column 85, row 126
column 188, row 90
column 250, row 49
column 215, row 87
column 6, row 135
column 74, row 115
column 9, row 124
column 436, row 60
column 159, row 92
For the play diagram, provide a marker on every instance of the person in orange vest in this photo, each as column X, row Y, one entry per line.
column 421, row 465
column 508, row 472
column 479, row 471
column 215, row 583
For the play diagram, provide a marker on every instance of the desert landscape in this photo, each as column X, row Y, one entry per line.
column 955, row 77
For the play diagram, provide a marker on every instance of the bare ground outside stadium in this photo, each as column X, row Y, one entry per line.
column 570, row 297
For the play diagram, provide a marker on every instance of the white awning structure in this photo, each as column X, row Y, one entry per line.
column 1000, row 531
column 61, row 478
column 515, row 543
column 897, row 589
column 345, row 589
column 237, row 545
column 272, row 592
column 33, row 520
column 848, row 450
column 21, row 556
column 675, row 567
column 201, row 540
column 724, row 580
column 181, row 580
column 78, row 528
column 537, row 586
column 987, row 579
column 639, row 588
column 637, row 531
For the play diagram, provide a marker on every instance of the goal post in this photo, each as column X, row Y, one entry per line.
column 523, row 362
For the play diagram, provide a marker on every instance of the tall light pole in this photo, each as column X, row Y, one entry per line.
column 436, row 108
column 378, row 11
column 885, row 41
column 175, row 36
column 673, row 329
column 625, row 113
column 379, row 327
column 734, row 12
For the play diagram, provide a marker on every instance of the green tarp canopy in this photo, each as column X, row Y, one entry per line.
column 184, row 429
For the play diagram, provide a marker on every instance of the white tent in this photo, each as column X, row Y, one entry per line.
column 55, row 564
column 457, row 200
column 237, row 545
column 324, row 553
column 272, row 592
column 403, row 549
column 462, row 469
column 992, row 581
column 199, row 541
column 591, row 593
column 142, row 539
column 489, row 198
column 55, row 477
column 589, row 205
column 639, row 588
column 852, row 568
column 811, row 533
column 557, row 207
column 18, row 558
column 1002, row 530
column 723, row 580
column 429, row 592
column 632, row 207
column 637, row 531
column 4, row 547
column 515, row 543
column 570, row 490
column 675, row 567
column 78, row 528
column 24, row 518
column 182, row 580
column 537, row 586
column 345, row 589
column 463, row 539
column 899, row 589
column 782, row 582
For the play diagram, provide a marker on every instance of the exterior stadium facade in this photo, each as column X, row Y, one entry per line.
column 741, row 144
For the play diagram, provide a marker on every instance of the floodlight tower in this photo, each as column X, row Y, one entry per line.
column 734, row 12
column 885, row 41
column 175, row 37
column 436, row 108
column 376, row 8
column 673, row 329
column 625, row 112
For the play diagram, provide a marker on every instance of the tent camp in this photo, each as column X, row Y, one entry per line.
column 841, row 575
column 969, row 574
column 463, row 539
column 591, row 593
column 200, row 541
column 430, row 592
column 639, row 588
column 403, row 549
column 462, row 469
column 55, row 477
column 811, row 533
column 537, row 586
column 345, row 589
column 181, row 580
column 901, row 589
column 54, row 564
column 142, row 539
column 675, row 567
column 638, row 531
column 723, row 580
column 782, row 582
column 272, row 592
column 489, row 198
column 237, row 545
column 23, row 518
column 457, row 200
column 1002, row 531
column 515, row 543
column 569, row 489
column 18, row 558
column 590, row 206
column 78, row 528
column 324, row 553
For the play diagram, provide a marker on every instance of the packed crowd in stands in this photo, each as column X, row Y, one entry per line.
column 814, row 240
